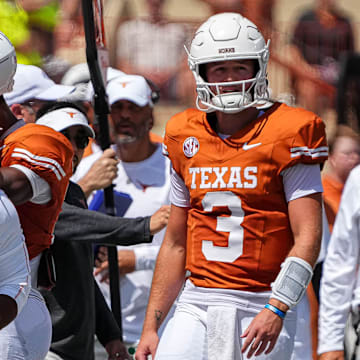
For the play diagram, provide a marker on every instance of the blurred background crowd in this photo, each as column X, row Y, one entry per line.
column 308, row 41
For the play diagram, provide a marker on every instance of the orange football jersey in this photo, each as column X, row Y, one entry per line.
column 48, row 154
column 238, row 225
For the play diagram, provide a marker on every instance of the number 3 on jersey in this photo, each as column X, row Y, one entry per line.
column 230, row 224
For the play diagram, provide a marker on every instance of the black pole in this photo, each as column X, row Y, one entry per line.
column 101, row 109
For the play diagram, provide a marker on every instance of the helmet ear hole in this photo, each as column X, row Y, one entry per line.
column 202, row 71
column 256, row 68
column 203, row 94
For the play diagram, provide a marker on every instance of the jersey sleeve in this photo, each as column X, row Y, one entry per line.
column 306, row 145
column 47, row 156
column 171, row 143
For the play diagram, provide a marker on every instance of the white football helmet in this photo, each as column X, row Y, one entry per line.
column 224, row 37
column 7, row 64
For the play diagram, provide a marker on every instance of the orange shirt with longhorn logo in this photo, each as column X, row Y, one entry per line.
column 238, row 224
column 48, row 154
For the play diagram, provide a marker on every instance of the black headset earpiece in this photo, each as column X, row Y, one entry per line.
column 155, row 91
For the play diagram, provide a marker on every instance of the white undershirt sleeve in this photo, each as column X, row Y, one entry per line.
column 41, row 189
column 179, row 193
column 301, row 180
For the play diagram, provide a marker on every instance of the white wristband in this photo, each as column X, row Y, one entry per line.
column 292, row 281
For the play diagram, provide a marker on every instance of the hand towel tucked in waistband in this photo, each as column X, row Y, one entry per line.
column 223, row 333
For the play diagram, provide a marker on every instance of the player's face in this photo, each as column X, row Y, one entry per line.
column 345, row 156
column 130, row 121
column 28, row 114
column 79, row 140
column 29, row 109
column 232, row 70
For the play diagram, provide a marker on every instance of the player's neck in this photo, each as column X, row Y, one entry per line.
column 230, row 124
column 136, row 151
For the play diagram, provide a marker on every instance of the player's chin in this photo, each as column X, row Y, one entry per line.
column 122, row 139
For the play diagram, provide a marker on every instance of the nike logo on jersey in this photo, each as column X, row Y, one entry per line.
column 251, row 146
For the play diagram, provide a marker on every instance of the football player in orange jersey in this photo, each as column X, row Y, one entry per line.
column 245, row 223
column 36, row 164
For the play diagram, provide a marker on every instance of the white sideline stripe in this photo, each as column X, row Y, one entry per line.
column 42, row 158
column 313, row 153
column 46, row 165
column 306, row 153
column 321, row 148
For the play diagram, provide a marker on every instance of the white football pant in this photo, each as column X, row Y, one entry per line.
column 28, row 337
column 185, row 337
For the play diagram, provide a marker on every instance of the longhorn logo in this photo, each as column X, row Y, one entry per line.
column 71, row 114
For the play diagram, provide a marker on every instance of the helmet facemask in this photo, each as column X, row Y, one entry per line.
column 244, row 42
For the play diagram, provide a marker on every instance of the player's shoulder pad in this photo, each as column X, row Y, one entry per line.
column 40, row 138
column 187, row 120
column 288, row 120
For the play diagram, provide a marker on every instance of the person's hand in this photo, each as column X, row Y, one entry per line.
column 126, row 263
column 101, row 174
column 101, row 256
column 262, row 333
column 117, row 350
column 147, row 346
column 159, row 219
column 333, row 355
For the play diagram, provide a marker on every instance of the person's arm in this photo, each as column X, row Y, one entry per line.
column 333, row 355
column 305, row 217
column 89, row 226
column 302, row 66
column 141, row 258
column 101, row 174
column 166, row 284
column 16, row 185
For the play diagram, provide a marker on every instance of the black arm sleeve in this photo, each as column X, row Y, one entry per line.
column 106, row 326
column 77, row 224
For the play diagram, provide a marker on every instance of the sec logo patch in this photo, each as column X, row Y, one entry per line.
column 191, row 146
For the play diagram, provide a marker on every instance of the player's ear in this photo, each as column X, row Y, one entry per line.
column 151, row 121
column 17, row 110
